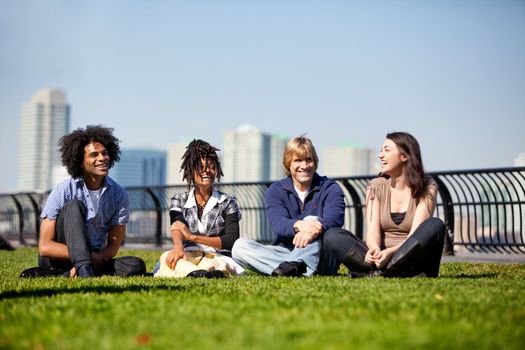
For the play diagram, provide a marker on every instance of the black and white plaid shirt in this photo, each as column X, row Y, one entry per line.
column 213, row 220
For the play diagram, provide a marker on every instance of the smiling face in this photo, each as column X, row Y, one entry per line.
column 302, row 170
column 392, row 160
column 205, row 177
column 96, row 161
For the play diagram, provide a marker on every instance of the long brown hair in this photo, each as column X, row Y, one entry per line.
column 415, row 174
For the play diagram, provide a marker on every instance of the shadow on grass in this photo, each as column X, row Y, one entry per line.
column 46, row 292
column 471, row 275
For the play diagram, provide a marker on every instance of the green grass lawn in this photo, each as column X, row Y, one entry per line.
column 470, row 306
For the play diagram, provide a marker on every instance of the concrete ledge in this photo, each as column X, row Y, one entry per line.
column 485, row 257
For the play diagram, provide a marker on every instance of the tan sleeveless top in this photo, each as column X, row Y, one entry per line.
column 392, row 234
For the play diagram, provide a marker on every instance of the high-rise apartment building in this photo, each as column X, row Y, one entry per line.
column 251, row 155
column 140, row 167
column 45, row 118
column 348, row 160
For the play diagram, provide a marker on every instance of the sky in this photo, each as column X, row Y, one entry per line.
column 452, row 73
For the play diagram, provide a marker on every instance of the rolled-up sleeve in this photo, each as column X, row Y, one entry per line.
column 121, row 216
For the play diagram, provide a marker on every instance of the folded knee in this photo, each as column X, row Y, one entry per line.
column 437, row 227
column 74, row 204
column 330, row 237
column 129, row 266
column 240, row 246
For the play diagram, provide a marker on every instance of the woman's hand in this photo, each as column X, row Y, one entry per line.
column 372, row 255
column 186, row 233
column 174, row 256
column 383, row 257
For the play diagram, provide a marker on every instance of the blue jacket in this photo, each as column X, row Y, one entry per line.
column 283, row 206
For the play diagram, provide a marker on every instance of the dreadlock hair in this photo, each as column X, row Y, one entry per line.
column 72, row 146
column 191, row 160
column 415, row 174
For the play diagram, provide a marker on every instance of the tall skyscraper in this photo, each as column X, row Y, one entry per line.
column 45, row 118
column 348, row 160
column 251, row 155
column 140, row 167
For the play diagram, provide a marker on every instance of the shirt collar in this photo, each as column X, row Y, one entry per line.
column 79, row 182
column 216, row 197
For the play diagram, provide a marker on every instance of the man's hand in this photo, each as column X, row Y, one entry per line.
column 73, row 272
column 174, row 256
column 311, row 227
column 302, row 239
column 97, row 259
column 186, row 233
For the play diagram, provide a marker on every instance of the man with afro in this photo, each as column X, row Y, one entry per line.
column 84, row 219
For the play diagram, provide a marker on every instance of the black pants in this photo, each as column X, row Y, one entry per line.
column 70, row 231
column 419, row 253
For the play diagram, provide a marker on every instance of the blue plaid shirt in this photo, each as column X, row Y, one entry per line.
column 113, row 208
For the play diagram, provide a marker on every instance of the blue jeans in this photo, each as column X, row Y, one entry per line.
column 265, row 258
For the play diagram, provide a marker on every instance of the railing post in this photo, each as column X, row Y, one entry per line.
column 20, row 219
column 448, row 213
column 158, row 210
column 37, row 215
column 357, row 209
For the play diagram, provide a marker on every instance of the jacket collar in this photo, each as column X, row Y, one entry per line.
column 315, row 186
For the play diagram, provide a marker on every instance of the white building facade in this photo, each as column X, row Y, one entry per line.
column 348, row 160
column 250, row 155
column 45, row 118
column 174, row 162
column 520, row 159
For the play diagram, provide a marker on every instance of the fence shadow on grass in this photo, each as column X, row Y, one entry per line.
column 47, row 292
column 470, row 275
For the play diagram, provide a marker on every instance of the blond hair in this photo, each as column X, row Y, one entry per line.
column 301, row 147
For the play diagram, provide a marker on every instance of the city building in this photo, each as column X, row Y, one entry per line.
column 174, row 161
column 348, row 160
column 277, row 147
column 250, row 155
column 140, row 167
column 520, row 159
column 45, row 118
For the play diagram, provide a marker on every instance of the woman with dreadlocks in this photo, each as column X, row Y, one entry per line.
column 204, row 221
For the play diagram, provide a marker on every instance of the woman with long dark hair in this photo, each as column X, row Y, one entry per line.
column 402, row 237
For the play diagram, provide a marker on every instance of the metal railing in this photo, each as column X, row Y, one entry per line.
column 484, row 210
